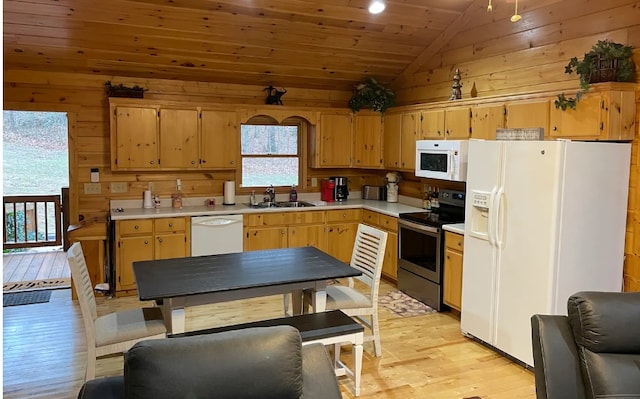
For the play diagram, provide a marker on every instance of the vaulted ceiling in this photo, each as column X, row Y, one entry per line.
column 301, row 43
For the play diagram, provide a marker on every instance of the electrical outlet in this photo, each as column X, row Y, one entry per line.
column 92, row 188
column 117, row 188
column 314, row 182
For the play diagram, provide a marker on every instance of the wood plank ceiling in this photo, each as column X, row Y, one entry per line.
column 329, row 44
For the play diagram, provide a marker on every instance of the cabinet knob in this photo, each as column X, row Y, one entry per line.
column 170, row 224
column 146, row 242
column 193, row 162
column 159, row 239
column 204, row 161
column 232, row 162
column 344, row 215
column 555, row 128
column 151, row 162
column 136, row 227
column 281, row 231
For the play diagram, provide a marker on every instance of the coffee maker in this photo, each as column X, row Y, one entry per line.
column 341, row 189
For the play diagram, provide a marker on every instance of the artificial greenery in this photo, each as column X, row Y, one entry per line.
column 371, row 94
column 605, row 62
column 123, row 91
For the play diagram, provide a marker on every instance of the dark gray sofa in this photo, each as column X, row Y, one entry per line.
column 594, row 352
column 253, row 363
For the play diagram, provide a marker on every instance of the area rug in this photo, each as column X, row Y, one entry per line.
column 403, row 305
column 37, row 285
column 25, row 298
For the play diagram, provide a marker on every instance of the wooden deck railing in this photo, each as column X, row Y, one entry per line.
column 31, row 221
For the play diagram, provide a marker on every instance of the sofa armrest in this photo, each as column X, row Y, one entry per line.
column 555, row 359
column 103, row 388
column 318, row 375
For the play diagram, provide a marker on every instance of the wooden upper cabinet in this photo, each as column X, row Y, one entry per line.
column 485, row 119
column 391, row 141
column 528, row 114
column 432, row 124
column 607, row 115
column 220, row 136
column 179, row 138
column 134, row 137
column 367, row 150
column 410, row 132
column 457, row 123
column 333, row 139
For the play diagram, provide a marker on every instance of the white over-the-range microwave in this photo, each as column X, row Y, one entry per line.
column 442, row 159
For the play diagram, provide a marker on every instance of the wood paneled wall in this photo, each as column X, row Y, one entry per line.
column 533, row 60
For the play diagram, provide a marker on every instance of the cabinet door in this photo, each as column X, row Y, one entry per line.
column 367, row 151
column 485, row 119
column 390, row 265
column 528, row 114
column 265, row 238
column 334, row 138
column 433, row 124
column 410, row 132
column 582, row 122
column 392, row 137
column 340, row 240
column 308, row 236
column 179, row 138
column 171, row 245
column 457, row 123
column 131, row 249
column 452, row 292
column 618, row 115
column 134, row 132
column 220, row 135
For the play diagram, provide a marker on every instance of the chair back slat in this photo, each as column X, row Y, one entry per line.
column 84, row 287
column 368, row 255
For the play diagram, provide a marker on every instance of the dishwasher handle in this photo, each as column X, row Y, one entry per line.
column 215, row 221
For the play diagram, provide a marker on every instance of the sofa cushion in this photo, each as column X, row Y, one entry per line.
column 606, row 329
column 251, row 363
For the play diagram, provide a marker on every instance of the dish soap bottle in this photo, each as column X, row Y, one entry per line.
column 293, row 194
column 176, row 199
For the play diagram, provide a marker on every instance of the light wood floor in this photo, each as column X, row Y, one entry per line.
column 423, row 356
column 32, row 266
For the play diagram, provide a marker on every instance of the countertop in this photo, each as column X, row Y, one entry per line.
column 387, row 208
column 454, row 228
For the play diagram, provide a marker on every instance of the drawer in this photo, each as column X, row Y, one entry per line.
column 344, row 215
column 388, row 222
column 370, row 217
column 134, row 227
column 267, row 219
column 454, row 241
column 167, row 225
column 306, row 217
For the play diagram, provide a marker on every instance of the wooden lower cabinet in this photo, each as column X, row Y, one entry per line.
column 453, row 250
column 342, row 226
column 148, row 239
column 390, row 225
column 284, row 230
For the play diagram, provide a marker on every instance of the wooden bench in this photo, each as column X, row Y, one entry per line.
column 328, row 328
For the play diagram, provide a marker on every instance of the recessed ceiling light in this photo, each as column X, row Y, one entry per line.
column 376, row 6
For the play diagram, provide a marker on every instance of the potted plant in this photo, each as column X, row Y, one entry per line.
column 371, row 94
column 605, row 62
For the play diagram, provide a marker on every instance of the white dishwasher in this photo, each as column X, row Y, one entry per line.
column 216, row 234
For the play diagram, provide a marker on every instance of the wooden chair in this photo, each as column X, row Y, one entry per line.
column 114, row 332
column 367, row 256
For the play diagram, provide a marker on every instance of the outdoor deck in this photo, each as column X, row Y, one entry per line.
column 46, row 266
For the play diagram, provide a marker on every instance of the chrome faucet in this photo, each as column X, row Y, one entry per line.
column 271, row 191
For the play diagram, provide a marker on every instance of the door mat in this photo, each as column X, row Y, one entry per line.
column 403, row 305
column 37, row 285
column 25, row 298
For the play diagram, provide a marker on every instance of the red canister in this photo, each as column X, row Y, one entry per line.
column 327, row 188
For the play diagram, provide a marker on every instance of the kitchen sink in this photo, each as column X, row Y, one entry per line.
column 281, row 204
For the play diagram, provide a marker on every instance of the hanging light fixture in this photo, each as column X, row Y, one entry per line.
column 377, row 6
column 516, row 17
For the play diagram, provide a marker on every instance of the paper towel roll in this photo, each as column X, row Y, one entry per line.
column 229, row 192
column 147, row 202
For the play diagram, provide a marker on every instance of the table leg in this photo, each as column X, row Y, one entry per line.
column 174, row 317
column 319, row 300
column 297, row 302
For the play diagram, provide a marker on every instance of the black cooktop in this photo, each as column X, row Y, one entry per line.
column 437, row 217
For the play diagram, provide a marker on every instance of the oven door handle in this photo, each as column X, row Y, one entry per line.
column 420, row 227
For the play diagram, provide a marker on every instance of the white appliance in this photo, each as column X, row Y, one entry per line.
column 442, row 159
column 543, row 220
column 214, row 235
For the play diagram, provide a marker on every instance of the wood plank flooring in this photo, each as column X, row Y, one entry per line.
column 423, row 356
column 31, row 266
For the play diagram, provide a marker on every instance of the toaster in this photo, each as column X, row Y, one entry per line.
column 374, row 192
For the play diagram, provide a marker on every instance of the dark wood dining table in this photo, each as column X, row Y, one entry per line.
column 181, row 282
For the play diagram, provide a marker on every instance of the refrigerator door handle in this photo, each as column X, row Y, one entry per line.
column 492, row 215
column 499, row 219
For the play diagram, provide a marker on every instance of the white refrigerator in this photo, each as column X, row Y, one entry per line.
column 543, row 220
